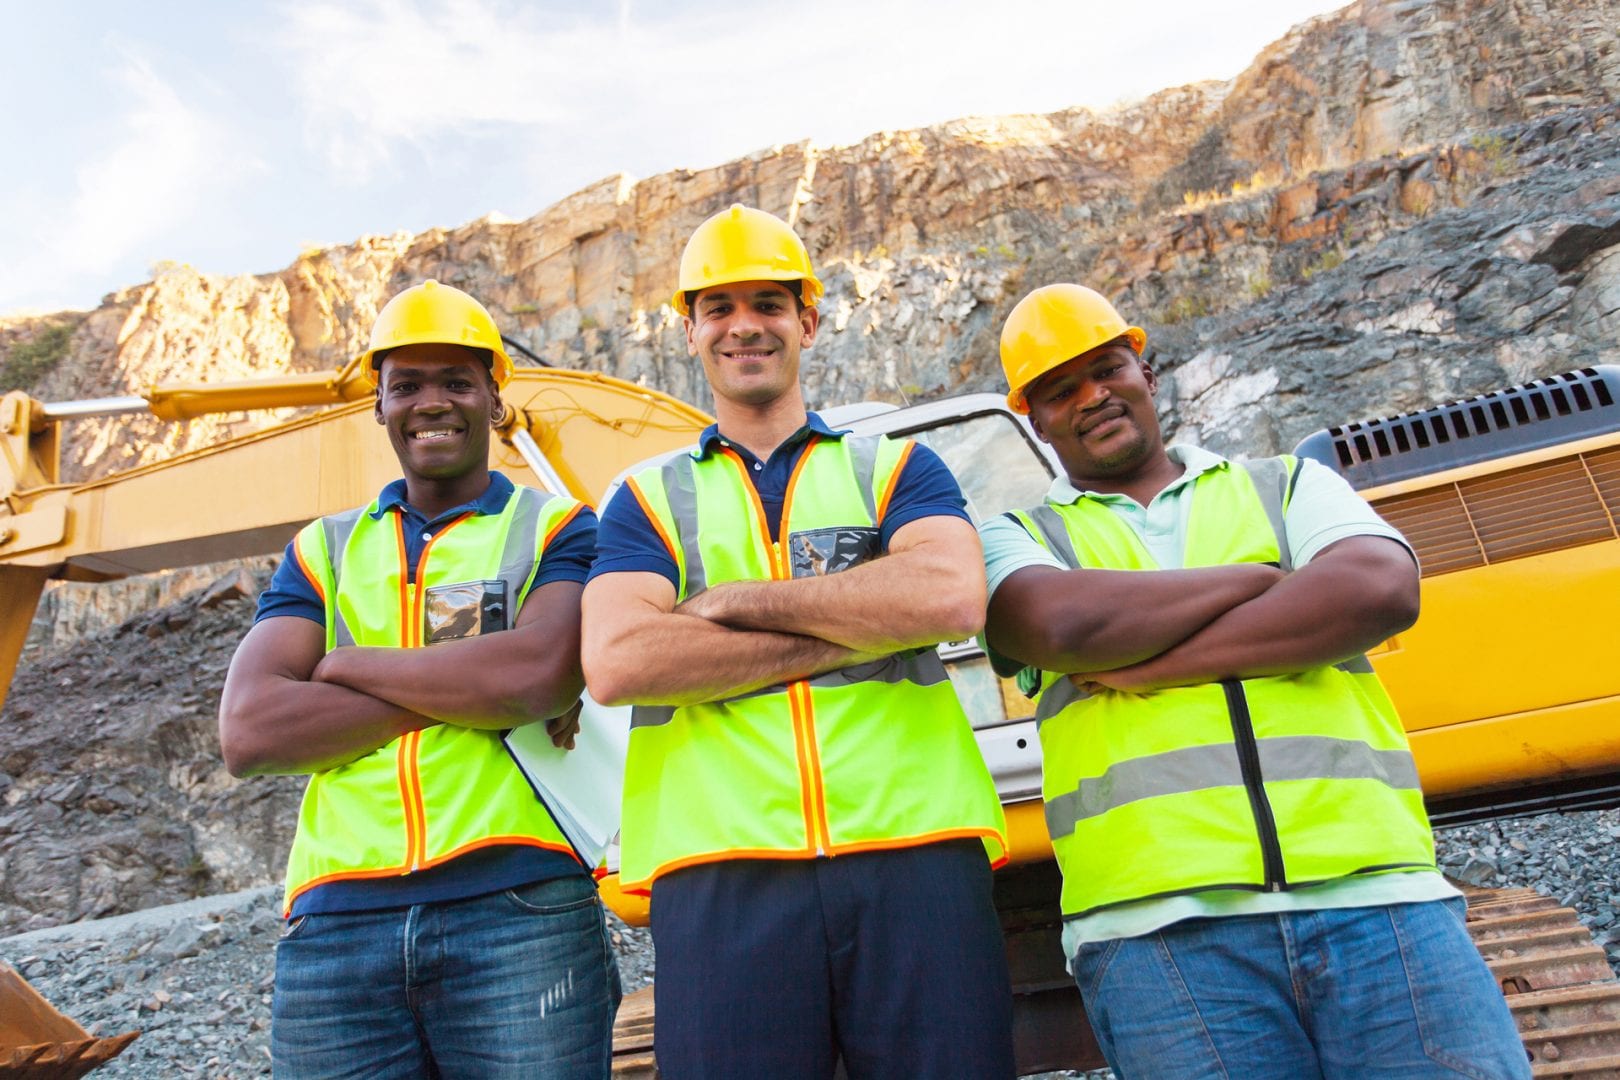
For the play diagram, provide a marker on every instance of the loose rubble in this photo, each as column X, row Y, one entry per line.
column 195, row 978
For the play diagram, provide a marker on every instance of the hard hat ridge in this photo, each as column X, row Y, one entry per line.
column 1053, row 325
column 744, row 244
column 435, row 313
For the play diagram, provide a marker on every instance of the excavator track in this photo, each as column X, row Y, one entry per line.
column 1558, row 984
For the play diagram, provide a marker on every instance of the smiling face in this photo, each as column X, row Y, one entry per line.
column 1097, row 413
column 438, row 402
column 749, row 335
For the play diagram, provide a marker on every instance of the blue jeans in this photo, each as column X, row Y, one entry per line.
column 1396, row 991
column 518, row 983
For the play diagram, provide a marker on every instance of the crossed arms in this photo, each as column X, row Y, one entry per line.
column 1145, row 630
column 641, row 648
column 289, row 706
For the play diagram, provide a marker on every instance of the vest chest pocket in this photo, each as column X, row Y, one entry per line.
column 817, row 552
column 464, row 609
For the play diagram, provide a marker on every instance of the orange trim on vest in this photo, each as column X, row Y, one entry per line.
column 894, row 482
column 561, row 525
column 644, row 886
column 309, row 576
column 401, row 871
column 652, row 518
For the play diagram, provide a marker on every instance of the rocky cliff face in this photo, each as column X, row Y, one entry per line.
column 1388, row 128
column 1396, row 204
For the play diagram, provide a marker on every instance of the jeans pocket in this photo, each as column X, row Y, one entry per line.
column 554, row 896
column 293, row 927
column 1091, row 962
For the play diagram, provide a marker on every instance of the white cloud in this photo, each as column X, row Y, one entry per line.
column 167, row 155
column 696, row 85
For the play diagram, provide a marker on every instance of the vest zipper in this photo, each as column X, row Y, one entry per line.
column 410, row 765
column 800, row 708
column 1248, row 751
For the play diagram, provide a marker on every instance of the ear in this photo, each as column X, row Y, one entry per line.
column 497, row 410
column 809, row 320
column 1035, row 425
column 1149, row 374
column 376, row 404
column 691, row 341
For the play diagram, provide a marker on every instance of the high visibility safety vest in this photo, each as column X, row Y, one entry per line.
column 1263, row 784
column 878, row 755
column 433, row 794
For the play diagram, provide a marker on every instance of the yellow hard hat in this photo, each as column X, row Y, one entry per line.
column 1053, row 325
column 744, row 244
column 431, row 313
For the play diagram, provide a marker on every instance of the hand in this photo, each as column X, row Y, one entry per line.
column 708, row 604
column 328, row 669
column 562, row 729
column 1134, row 679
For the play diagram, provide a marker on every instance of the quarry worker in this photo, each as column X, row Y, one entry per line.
column 439, row 923
column 804, row 798
column 1249, row 886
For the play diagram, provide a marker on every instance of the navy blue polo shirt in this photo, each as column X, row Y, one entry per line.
column 506, row 866
column 627, row 541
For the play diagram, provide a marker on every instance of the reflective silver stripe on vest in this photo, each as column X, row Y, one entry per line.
column 680, row 488
column 1195, row 768
column 1056, row 534
column 922, row 668
column 1272, row 479
column 863, row 450
column 1057, row 697
column 519, row 552
column 337, row 529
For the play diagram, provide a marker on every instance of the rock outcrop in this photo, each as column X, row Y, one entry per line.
column 1440, row 121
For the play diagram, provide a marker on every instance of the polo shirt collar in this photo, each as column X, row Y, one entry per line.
column 1194, row 460
column 814, row 425
column 492, row 501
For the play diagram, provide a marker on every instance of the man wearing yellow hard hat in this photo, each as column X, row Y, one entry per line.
column 804, row 798
column 1249, row 885
column 439, row 923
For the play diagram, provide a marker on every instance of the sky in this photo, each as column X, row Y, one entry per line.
column 231, row 137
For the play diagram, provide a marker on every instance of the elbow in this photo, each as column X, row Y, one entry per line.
column 1403, row 605
column 242, row 758
column 608, row 682
column 959, row 611
column 960, row 621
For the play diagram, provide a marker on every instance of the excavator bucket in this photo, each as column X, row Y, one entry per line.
column 40, row 1043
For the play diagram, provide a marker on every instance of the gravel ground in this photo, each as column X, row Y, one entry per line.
column 195, row 978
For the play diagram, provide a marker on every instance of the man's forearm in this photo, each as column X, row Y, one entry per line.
column 677, row 659
column 280, row 725
column 895, row 602
column 1100, row 620
column 492, row 682
column 1317, row 616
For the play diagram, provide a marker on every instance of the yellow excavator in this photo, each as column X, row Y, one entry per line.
column 1508, row 683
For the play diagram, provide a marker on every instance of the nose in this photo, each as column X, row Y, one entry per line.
column 1093, row 394
column 432, row 399
column 745, row 324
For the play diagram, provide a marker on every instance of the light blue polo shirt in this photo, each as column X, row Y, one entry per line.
column 1323, row 509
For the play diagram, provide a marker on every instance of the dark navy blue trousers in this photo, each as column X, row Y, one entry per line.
column 892, row 960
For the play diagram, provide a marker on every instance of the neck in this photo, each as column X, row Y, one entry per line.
column 761, row 428
column 1141, row 483
column 431, row 497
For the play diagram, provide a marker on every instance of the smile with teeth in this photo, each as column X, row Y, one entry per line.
column 433, row 434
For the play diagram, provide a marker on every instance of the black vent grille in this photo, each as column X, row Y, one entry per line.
column 1542, row 413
